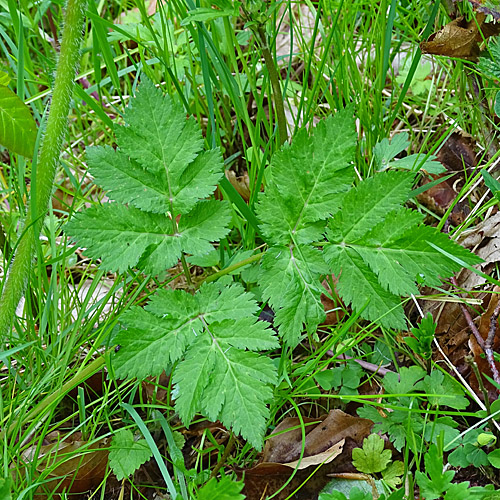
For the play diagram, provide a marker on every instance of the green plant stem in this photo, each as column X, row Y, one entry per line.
column 44, row 170
column 54, row 397
column 233, row 267
column 225, row 455
column 275, row 83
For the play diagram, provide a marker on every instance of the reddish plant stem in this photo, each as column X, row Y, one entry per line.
column 371, row 367
column 487, row 346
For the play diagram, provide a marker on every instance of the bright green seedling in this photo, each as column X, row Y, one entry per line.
column 126, row 454
column 212, row 335
column 224, row 489
column 421, row 342
column 386, row 150
column 159, row 178
column 372, row 457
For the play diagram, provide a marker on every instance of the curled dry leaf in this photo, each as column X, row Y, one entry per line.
column 484, row 241
column 70, row 465
column 327, row 446
column 241, row 183
column 460, row 38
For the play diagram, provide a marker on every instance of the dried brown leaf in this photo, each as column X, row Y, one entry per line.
column 74, row 466
column 460, row 38
column 328, row 445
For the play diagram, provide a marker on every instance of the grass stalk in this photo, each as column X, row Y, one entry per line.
column 44, row 170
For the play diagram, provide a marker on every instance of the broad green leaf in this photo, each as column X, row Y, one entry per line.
column 491, row 65
column 307, row 181
column 125, row 237
column 379, row 250
column 160, row 172
column 385, row 150
column 129, row 182
column 442, row 390
column 290, row 282
column 458, row 491
column 359, row 287
column 371, row 457
column 224, row 489
column 5, row 483
column 408, row 380
column 18, row 129
column 212, row 334
column 126, row 454
column 419, row 162
column 494, row 458
column 368, row 204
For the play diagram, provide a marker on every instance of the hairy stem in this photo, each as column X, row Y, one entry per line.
column 44, row 170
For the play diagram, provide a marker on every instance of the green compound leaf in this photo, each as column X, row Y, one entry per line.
column 213, row 334
column 126, row 237
column 393, row 474
column 307, row 181
column 160, row 171
column 17, row 127
column 306, row 185
column 224, row 489
column 289, row 280
column 435, row 481
column 379, row 250
column 126, row 454
column 372, row 457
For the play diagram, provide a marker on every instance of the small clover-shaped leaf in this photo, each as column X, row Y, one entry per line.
column 126, row 455
column 224, row 489
column 372, row 457
column 392, row 474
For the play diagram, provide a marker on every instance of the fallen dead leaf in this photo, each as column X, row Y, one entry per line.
column 460, row 38
column 327, row 447
column 240, row 182
column 479, row 6
column 458, row 156
column 484, row 241
column 74, row 466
